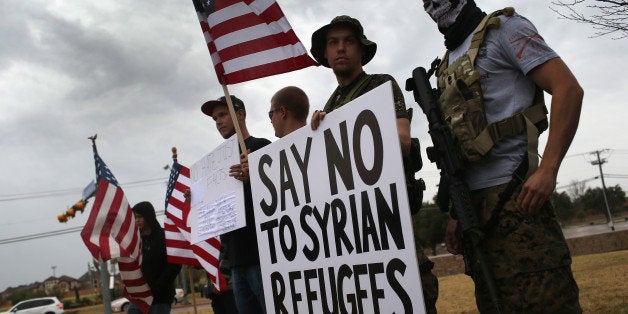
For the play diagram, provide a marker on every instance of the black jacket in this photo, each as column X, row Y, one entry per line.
column 157, row 272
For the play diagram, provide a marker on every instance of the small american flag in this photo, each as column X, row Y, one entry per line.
column 110, row 232
column 249, row 39
column 179, row 250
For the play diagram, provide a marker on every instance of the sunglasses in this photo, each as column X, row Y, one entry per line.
column 270, row 113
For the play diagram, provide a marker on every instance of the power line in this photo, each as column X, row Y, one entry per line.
column 616, row 176
column 50, row 233
column 576, row 182
column 609, row 150
column 40, row 235
column 41, row 194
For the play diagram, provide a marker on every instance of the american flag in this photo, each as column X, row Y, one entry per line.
column 110, row 232
column 249, row 39
column 179, row 250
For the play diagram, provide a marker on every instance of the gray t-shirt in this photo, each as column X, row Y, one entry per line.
column 507, row 54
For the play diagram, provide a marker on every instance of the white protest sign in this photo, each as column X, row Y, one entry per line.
column 217, row 203
column 332, row 216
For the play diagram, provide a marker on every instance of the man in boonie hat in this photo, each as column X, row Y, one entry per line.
column 342, row 46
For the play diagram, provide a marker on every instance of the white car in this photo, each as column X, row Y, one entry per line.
column 121, row 304
column 40, row 305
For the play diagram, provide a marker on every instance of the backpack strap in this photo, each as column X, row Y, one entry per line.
column 332, row 102
column 489, row 21
column 444, row 63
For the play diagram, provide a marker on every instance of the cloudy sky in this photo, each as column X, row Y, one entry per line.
column 136, row 73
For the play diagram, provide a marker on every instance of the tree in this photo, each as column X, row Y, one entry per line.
column 576, row 189
column 593, row 199
column 563, row 206
column 609, row 16
column 56, row 292
column 430, row 226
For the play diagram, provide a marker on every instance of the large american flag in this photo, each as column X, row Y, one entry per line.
column 249, row 39
column 110, row 232
column 204, row 254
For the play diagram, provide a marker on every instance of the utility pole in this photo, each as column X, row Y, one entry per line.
column 599, row 163
column 104, row 282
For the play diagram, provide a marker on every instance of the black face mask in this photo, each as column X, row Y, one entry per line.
column 456, row 19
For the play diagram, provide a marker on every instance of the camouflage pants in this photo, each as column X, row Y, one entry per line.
column 549, row 291
column 529, row 258
column 429, row 282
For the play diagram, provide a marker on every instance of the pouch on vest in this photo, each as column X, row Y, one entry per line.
column 461, row 104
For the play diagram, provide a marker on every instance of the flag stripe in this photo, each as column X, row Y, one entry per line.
column 248, row 34
column 260, row 59
column 265, row 70
column 233, row 53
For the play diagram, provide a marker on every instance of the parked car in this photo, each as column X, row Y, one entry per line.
column 121, row 304
column 40, row 305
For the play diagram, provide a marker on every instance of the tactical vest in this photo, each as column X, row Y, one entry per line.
column 462, row 105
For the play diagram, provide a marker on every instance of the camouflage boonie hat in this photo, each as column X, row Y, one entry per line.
column 319, row 39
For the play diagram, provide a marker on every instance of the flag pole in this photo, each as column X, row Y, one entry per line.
column 234, row 118
column 104, row 273
column 192, row 290
column 185, row 268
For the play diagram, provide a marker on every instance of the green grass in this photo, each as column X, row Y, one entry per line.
column 602, row 279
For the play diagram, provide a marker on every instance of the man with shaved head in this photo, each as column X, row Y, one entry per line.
column 491, row 83
column 289, row 108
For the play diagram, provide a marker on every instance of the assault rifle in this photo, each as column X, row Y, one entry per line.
column 452, row 188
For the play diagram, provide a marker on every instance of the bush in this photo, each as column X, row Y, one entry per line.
column 86, row 302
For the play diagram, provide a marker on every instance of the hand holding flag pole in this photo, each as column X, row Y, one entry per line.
column 248, row 40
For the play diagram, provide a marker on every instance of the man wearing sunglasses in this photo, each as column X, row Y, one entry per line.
column 289, row 108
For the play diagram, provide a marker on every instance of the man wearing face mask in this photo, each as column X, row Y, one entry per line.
column 492, row 79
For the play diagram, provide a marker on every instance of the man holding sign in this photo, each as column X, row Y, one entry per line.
column 342, row 46
column 242, row 252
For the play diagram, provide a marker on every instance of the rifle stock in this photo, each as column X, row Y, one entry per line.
column 452, row 189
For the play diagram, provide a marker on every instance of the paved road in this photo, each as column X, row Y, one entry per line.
column 574, row 232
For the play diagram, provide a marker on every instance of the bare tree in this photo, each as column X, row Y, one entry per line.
column 576, row 189
column 608, row 17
